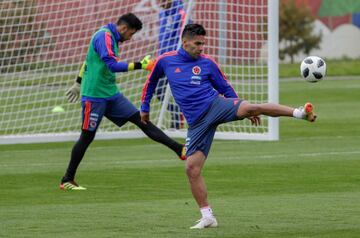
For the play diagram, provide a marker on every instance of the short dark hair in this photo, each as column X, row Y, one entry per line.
column 131, row 20
column 192, row 30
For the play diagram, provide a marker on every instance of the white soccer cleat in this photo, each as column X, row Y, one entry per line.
column 205, row 222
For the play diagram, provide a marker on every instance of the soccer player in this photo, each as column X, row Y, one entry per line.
column 207, row 99
column 100, row 96
column 171, row 22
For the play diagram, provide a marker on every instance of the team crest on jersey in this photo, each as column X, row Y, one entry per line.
column 196, row 70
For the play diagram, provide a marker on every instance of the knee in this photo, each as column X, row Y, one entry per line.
column 249, row 110
column 192, row 171
column 253, row 109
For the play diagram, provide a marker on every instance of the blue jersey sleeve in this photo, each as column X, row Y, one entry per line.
column 103, row 45
column 150, row 85
column 220, row 82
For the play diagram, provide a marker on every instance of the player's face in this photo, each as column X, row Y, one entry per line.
column 125, row 32
column 194, row 46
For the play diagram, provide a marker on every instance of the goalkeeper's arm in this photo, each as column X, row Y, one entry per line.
column 108, row 56
column 146, row 63
column 73, row 92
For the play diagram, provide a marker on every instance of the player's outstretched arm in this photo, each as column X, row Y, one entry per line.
column 149, row 88
column 112, row 61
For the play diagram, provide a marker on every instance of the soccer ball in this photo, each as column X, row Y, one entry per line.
column 313, row 69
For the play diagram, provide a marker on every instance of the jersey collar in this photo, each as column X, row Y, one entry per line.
column 185, row 55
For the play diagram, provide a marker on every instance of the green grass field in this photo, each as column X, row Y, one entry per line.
column 305, row 185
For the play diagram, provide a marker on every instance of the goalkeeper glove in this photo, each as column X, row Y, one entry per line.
column 146, row 63
column 73, row 92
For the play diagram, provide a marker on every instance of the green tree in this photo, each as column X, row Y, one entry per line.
column 296, row 30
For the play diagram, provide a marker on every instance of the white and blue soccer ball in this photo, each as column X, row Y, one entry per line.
column 313, row 69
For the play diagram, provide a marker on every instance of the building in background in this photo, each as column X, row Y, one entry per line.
column 339, row 23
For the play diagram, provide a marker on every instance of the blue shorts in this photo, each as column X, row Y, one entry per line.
column 201, row 135
column 117, row 109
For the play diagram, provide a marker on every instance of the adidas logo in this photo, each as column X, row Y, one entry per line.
column 177, row 70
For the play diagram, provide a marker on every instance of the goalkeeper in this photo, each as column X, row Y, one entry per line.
column 100, row 96
column 198, row 90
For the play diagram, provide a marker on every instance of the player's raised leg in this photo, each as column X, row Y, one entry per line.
column 122, row 111
column 158, row 135
column 247, row 110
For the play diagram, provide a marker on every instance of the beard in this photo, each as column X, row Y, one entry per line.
column 122, row 38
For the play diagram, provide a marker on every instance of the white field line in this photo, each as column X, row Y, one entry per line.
column 162, row 161
column 116, row 147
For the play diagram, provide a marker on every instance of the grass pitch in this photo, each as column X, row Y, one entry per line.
column 305, row 185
